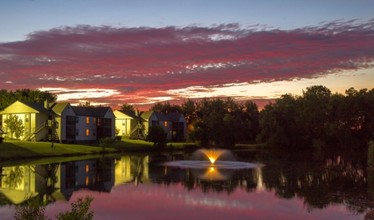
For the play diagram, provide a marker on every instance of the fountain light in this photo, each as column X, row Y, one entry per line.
column 212, row 155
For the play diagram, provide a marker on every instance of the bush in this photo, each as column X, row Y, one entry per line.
column 157, row 135
column 106, row 141
column 80, row 210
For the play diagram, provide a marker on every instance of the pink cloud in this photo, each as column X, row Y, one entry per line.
column 143, row 62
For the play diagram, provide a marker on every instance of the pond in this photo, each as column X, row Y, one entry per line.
column 260, row 185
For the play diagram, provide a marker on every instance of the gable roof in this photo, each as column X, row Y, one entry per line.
column 32, row 107
column 120, row 114
column 146, row 115
column 90, row 111
column 58, row 108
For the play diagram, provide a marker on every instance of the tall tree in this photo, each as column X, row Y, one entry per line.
column 127, row 108
column 28, row 95
column 166, row 107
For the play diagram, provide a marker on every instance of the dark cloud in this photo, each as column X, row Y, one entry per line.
column 146, row 62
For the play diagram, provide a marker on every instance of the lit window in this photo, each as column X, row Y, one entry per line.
column 87, row 168
column 94, row 120
column 87, row 132
column 87, row 120
column 165, row 123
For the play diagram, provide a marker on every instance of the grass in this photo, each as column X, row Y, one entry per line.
column 25, row 149
column 14, row 149
column 140, row 145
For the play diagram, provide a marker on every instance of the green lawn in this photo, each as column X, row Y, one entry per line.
column 23, row 149
column 131, row 144
column 10, row 149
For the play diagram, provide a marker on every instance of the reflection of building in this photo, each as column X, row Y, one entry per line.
column 20, row 183
column 57, row 181
column 131, row 169
column 95, row 174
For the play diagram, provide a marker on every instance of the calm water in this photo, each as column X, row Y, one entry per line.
column 140, row 187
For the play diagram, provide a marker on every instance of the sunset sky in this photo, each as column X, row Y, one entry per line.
column 142, row 52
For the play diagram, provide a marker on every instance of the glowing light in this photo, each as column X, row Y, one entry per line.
column 213, row 155
column 212, row 159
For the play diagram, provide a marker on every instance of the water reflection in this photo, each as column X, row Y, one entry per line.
column 320, row 183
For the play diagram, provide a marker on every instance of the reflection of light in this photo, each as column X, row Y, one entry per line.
column 260, row 182
column 212, row 174
column 87, row 180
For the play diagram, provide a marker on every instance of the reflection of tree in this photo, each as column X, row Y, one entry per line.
column 14, row 177
column 137, row 168
column 33, row 209
column 48, row 175
column 319, row 182
column 338, row 181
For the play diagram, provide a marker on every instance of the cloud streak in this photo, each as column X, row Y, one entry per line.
column 142, row 65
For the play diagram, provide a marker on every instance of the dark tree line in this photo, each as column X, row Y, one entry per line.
column 319, row 119
column 27, row 95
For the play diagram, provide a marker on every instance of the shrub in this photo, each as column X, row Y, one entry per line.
column 157, row 135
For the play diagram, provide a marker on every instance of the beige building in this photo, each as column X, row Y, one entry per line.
column 36, row 120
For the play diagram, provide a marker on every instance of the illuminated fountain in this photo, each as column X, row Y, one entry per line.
column 212, row 164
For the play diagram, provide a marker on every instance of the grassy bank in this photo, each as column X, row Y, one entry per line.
column 13, row 149
column 141, row 145
column 24, row 149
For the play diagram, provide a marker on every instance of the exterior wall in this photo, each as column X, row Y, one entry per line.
column 153, row 120
column 32, row 122
column 41, row 127
column 167, row 126
column 85, row 131
column 62, row 122
column 110, row 115
column 123, row 126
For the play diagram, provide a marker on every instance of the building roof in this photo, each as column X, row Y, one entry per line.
column 58, row 108
column 146, row 115
column 33, row 105
column 171, row 116
column 126, row 114
column 90, row 111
